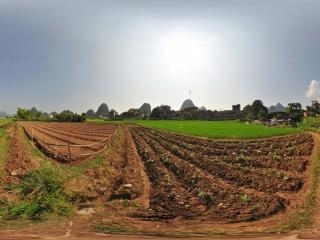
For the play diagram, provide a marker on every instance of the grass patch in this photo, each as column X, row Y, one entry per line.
column 310, row 123
column 79, row 169
column 5, row 121
column 106, row 121
column 41, row 191
column 218, row 129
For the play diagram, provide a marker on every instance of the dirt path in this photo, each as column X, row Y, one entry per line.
column 19, row 159
column 96, row 236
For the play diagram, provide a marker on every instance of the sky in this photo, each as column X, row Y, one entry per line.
column 76, row 54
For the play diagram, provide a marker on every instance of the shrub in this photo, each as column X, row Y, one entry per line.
column 41, row 191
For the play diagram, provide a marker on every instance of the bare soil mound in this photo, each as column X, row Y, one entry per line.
column 18, row 160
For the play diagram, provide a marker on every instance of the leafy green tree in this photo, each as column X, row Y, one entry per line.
column 255, row 111
column 161, row 112
column 24, row 114
column 90, row 113
column 259, row 111
column 295, row 112
column 295, row 107
column 314, row 107
column 113, row 113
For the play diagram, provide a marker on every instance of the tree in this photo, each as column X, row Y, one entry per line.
column 113, row 113
column 90, row 113
column 259, row 111
column 255, row 111
column 315, row 107
column 161, row 112
column 156, row 113
column 69, row 117
column 131, row 113
column 295, row 112
column 24, row 114
column 295, row 107
column 247, row 112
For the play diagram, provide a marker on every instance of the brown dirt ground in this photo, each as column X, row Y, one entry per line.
column 64, row 133
column 123, row 163
column 19, row 159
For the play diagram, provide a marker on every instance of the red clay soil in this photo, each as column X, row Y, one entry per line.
column 48, row 137
column 214, row 180
column 120, row 176
column 177, row 182
column 19, row 159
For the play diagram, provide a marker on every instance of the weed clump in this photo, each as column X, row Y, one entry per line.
column 40, row 191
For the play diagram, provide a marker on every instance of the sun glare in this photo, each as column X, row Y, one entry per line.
column 183, row 52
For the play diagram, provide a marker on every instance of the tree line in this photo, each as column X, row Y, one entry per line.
column 292, row 113
column 34, row 115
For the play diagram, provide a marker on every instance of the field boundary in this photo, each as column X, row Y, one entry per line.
column 41, row 145
column 4, row 125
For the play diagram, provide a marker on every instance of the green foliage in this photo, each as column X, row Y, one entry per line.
column 255, row 111
column 24, row 114
column 113, row 114
column 90, row 114
column 310, row 123
column 69, row 117
column 208, row 199
column 295, row 113
column 218, row 129
column 245, row 198
column 35, row 115
column 201, row 194
column 314, row 107
column 161, row 112
column 295, row 107
column 41, row 191
column 5, row 121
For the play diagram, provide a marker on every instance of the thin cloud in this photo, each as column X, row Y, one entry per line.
column 313, row 91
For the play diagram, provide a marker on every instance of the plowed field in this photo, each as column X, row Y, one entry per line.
column 192, row 177
column 232, row 181
column 69, row 141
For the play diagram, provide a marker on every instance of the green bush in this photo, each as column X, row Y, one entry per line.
column 310, row 123
column 41, row 191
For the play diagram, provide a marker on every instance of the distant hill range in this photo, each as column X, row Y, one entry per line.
column 277, row 108
column 187, row 104
column 145, row 109
column 103, row 111
column 3, row 114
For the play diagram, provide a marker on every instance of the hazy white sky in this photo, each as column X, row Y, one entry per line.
column 77, row 54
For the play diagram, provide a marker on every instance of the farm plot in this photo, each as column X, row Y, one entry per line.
column 238, row 180
column 69, row 142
